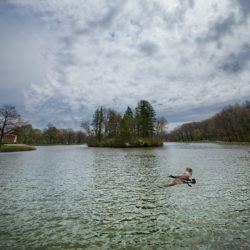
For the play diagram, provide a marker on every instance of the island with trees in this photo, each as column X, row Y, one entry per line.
column 138, row 128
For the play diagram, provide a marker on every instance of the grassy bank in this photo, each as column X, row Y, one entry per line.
column 15, row 148
column 121, row 143
column 215, row 141
column 57, row 144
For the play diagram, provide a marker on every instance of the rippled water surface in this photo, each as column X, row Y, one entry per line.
column 98, row 198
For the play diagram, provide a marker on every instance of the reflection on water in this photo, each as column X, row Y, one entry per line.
column 79, row 197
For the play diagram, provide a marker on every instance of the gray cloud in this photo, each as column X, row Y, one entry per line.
column 219, row 29
column 245, row 7
column 67, row 59
column 99, row 21
column 68, row 41
column 191, row 3
column 148, row 48
column 237, row 62
column 107, row 20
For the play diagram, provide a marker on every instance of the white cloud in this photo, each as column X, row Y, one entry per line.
column 113, row 54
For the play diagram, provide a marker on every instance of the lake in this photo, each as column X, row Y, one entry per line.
column 101, row 198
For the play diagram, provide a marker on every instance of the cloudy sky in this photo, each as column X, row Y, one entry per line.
column 60, row 60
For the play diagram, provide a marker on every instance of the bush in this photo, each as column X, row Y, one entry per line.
column 5, row 141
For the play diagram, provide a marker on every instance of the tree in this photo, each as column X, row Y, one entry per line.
column 80, row 137
column 160, row 125
column 71, row 136
column 145, row 118
column 9, row 119
column 197, row 134
column 100, row 124
column 28, row 135
column 63, row 136
column 23, row 133
column 110, row 128
column 112, row 123
column 97, row 123
column 127, row 124
column 231, row 124
column 51, row 134
column 86, row 127
column 37, row 136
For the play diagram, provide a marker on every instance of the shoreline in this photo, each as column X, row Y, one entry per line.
column 129, row 143
column 217, row 142
column 16, row 148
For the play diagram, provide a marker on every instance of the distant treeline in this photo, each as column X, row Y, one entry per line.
column 135, row 128
column 231, row 124
column 51, row 135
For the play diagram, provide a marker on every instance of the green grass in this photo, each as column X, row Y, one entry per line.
column 6, row 148
column 55, row 144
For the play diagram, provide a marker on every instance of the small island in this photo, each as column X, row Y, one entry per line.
column 138, row 128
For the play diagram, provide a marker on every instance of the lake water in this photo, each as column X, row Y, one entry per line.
column 99, row 198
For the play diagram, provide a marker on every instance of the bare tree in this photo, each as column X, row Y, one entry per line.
column 160, row 126
column 9, row 119
column 86, row 127
column 231, row 124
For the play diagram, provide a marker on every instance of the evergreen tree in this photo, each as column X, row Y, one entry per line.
column 127, row 124
column 145, row 118
column 98, row 123
column 95, row 122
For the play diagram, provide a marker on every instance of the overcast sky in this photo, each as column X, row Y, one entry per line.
column 60, row 60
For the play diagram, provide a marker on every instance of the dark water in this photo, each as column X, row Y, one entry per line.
column 78, row 197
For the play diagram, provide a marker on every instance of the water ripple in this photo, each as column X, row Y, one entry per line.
column 73, row 197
